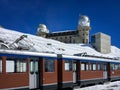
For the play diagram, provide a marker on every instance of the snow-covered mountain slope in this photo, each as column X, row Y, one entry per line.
column 39, row 44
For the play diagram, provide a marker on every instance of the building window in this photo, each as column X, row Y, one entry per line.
column 0, row 65
column 83, row 41
column 73, row 40
column 68, row 65
column 83, row 34
column 49, row 65
column 70, row 39
column 61, row 39
column 16, row 65
column 86, row 40
column 93, row 39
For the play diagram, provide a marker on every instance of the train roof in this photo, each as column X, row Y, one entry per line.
column 25, row 53
column 66, row 57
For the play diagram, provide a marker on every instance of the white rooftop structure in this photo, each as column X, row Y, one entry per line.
column 42, row 29
column 84, row 21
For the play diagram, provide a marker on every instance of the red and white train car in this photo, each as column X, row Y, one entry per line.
column 33, row 70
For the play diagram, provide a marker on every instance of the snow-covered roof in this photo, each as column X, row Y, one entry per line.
column 39, row 44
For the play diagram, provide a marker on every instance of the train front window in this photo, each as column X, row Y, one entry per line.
column 68, row 65
column 49, row 65
column 0, row 65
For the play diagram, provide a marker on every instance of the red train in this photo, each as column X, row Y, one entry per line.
column 33, row 70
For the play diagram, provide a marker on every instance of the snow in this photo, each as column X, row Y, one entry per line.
column 39, row 44
column 105, row 86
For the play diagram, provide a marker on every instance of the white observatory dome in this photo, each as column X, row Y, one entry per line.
column 42, row 29
column 84, row 20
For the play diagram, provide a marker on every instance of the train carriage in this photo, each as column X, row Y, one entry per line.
column 114, row 71
column 89, row 70
column 34, row 70
column 27, row 70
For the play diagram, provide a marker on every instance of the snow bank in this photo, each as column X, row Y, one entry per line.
column 106, row 86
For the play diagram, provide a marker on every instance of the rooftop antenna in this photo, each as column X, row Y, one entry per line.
column 14, row 44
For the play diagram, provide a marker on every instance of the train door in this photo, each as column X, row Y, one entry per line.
column 105, row 72
column 74, row 72
column 34, row 74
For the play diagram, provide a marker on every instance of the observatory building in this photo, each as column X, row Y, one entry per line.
column 80, row 35
column 42, row 30
column 100, row 41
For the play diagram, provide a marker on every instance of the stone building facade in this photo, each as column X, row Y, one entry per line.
column 80, row 35
column 101, row 42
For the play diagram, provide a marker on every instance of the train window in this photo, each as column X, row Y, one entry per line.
column 84, row 66
column 68, row 65
column 92, row 66
column 0, row 65
column 49, row 65
column 10, row 64
column 21, row 66
column 16, row 65
column 112, row 67
column 119, row 66
column 99, row 67
column 31, row 66
column 36, row 66
column 116, row 67
column 104, row 67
